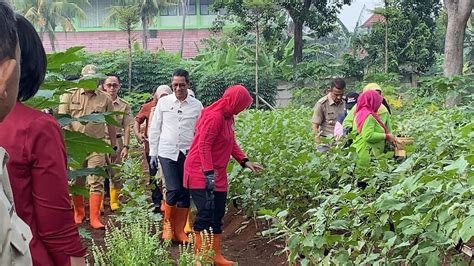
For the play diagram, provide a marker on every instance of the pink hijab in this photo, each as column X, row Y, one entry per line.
column 367, row 104
column 235, row 99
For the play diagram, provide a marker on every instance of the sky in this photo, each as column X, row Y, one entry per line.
column 350, row 14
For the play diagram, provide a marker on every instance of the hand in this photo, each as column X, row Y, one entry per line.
column 391, row 138
column 154, row 162
column 78, row 261
column 113, row 157
column 255, row 167
column 210, row 180
column 141, row 138
column 317, row 138
column 124, row 153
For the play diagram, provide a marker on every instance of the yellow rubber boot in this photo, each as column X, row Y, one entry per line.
column 188, row 228
column 180, row 218
column 114, row 202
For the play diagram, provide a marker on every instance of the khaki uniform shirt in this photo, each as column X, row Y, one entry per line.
column 15, row 235
column 78, row 103
column 124, row 120
column 325, row 114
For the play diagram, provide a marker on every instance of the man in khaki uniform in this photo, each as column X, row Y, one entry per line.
column 15, row 235
column 112, row 86
column 80, row 102
column 327, row 109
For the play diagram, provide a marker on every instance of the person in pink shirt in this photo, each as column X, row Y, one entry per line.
column 37, row 164
column 205, row 167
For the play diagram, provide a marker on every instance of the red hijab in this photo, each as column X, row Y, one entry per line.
column 235, row 99
column 367, row 104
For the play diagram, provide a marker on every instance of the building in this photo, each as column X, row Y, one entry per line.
column 165, row 33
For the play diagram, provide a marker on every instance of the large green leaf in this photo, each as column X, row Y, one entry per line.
column 57, row 60
column 73, row 174
column 107, row 117
column 79, row 146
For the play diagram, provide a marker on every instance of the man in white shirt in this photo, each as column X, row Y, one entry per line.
column 170, row 136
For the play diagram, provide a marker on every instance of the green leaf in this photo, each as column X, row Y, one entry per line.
column 57, row 60
column 426, row 250
column 79, row 145
column 391, row 204
column 72, row 174
column 79, row 190
column 467, row 229
column 308, row 241
column 460, row 165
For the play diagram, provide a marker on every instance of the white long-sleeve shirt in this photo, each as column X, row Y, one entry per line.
column 173, row 126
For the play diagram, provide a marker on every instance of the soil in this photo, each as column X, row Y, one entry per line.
column 242, row 240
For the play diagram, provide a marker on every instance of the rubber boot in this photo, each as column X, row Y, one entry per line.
column 162, row 207
column 79, row 209
column 202, row 254
column 180, row 219
column 189, row 222
column 114, row 202
column 94, row 211
column 219, row 260
column 168, row 233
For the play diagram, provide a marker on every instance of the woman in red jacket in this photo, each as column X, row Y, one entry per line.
column 205, row 167
column 37, row 165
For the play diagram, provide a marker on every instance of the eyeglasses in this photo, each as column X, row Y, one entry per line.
column 112, row 85
column 180, row 85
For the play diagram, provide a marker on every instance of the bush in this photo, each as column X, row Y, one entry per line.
column 211, row 84
column 149, row 69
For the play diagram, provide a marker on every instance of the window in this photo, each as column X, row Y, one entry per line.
column 97, row 13
column 206, row 7
column 176, row 10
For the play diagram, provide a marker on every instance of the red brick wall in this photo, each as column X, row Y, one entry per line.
column 112, row 40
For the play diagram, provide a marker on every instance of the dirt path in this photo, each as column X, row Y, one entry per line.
column 242, row 241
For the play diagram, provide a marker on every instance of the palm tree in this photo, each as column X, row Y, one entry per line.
column 148, row 10
column 47, row 15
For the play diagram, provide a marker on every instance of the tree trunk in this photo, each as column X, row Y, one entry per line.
column 146, row 32
column 298, row 35
column 386, row 35
column 129, row 60
column 184, row 4
column 458, row 15
column 257, row 44
column 52, row 40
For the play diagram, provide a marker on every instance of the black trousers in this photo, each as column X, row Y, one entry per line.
column 173, row 171
column 206, row 218
column 156, row 195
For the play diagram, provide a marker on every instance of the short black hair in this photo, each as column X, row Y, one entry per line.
column 181, row 73
column 338, row 83
column 8, row 31
column 113, row 75
column 100, row 82
column 33, row 59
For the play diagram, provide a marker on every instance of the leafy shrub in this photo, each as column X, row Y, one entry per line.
column 210, row 85
column 412, row 212
column 133, row 243
column 149, row 69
